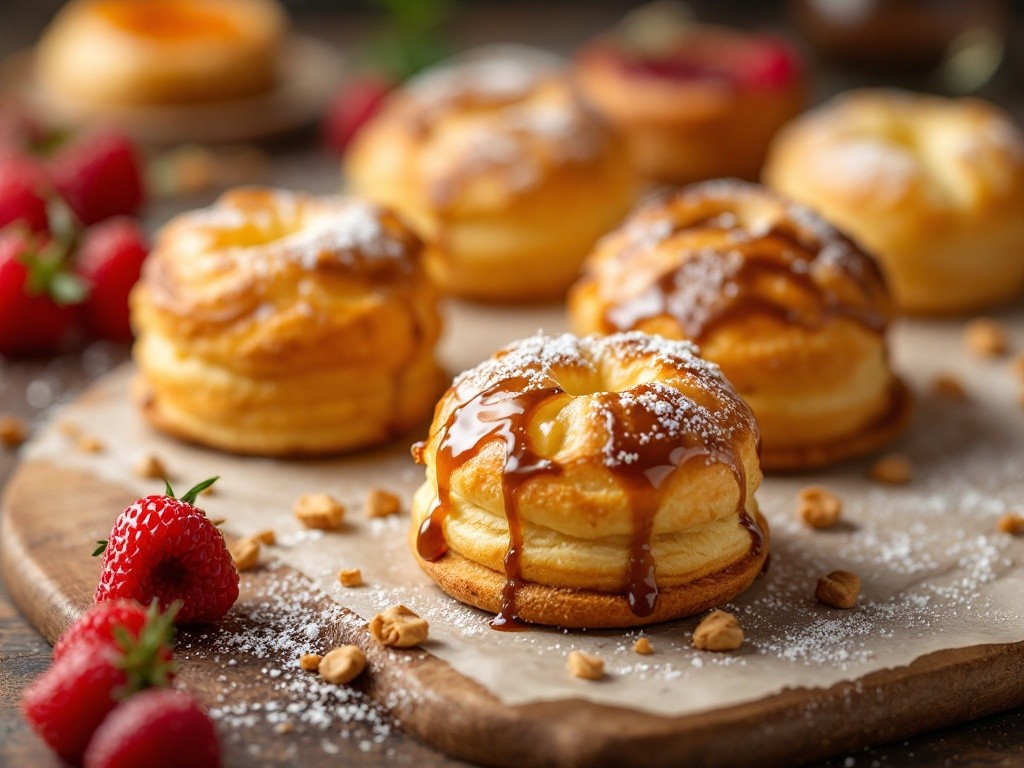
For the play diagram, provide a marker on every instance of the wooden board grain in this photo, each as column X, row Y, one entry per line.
column 47, row 514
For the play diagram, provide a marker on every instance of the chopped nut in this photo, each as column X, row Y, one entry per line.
column 218, row 521
column 818, row 507
column 90, row 445
column 949, row 387
column 585, row 665
column 838, row 589
column 350, row 577
column 985, row 337
column 343, row 665
column 318, row 510
column 643, row 647
column 893, row 469
column 70, row 429
column 267, row 537
column 245, row 553
column 150, row 466
column 208, row 491
column 380, row 503
column 13, row 430
column 285, row 727
column 398, row 627
column 1011, row 523
column 310, row 662
column 718, row 631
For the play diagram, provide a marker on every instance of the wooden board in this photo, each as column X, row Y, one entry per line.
column 47, row 513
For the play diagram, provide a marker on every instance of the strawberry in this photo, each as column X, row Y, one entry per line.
column 99, row 175
column 351, row 109
column 24, row 186
column 166, row 549
column 67, row 703
column 155, row 729
column 36, row 294
column 109, row 261
column 97, row 625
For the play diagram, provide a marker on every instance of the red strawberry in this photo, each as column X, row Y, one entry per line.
column 155, row 729
column 67, row 703
column 166, row 549
column 351, row 109
column 35, row 296
column 96, row 626
column 99, row 175
column 110, row 261
column 24, row 186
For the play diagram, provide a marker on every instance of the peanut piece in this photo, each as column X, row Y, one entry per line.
column 13, row 430
column 267, row 537
column 818, row 507
column 320, row 511
column 150, row 466
column 893, row 469
column 380, row 503
column 949, row 387
column 310, row 662
column 838, row 589
column 245, row 553
column 398, row 627
column 585, row 666
column 350, row 577
column 90, row 445
column 718, row 631
column 1011, row 523
column 343, row 665
column 985, row 337
column 643, row 647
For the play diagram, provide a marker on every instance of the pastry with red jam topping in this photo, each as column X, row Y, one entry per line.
column 591, row 482
column 693, row 102
column 793, row 311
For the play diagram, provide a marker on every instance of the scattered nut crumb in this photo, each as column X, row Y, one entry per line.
column 218, row 521
column 1011, row 523
column 285, row 727
column 318, row 510
column 949, row 387
column 310, row 662
column 398, row 627
column 343, row 665
column 13, row 430
column 838, row 589
column 818, row 507
column 643, row 647
column 381, row 503
column 69, row 429
column 585, row 665
column 208, row 491
column 267, row 537
column 718, row 631
column 150, row 466
column 245, row 553
column 985, row 337
column 90, row 445
column 893, row 469
column 350, row 577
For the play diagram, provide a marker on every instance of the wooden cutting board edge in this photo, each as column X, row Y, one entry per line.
column 46, row 568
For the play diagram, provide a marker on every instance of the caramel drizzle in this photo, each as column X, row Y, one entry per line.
column 505, row 410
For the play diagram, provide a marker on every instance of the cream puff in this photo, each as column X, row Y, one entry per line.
column 793, row 311
column 933, row 186
column 590, row 482
column 277, row 323
column 130, row 53
column 496, row 162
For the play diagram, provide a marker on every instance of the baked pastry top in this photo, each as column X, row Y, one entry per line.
column 497, row 162
column 277, row 322
column 933, row 186
column 793, row 311
column 603, row 481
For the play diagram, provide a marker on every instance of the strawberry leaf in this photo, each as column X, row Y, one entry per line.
column 66, row 288
column 193, row 493
column 100, row 548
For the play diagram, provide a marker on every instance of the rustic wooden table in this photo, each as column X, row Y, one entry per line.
column 31, row 388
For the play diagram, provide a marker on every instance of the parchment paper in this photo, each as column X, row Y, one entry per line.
column 936, row 574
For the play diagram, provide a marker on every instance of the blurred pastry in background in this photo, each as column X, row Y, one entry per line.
column 693, row 101
column 495, row 161
column 933, row 186
column 130, row 53
column 793, row 311
column 276, row 323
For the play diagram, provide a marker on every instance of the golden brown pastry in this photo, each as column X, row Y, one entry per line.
column 496, row 162
column 117, row 53
column 278, row 323
column 693, row 102
column 934, row 187
column 594, row 482
column 794, row 313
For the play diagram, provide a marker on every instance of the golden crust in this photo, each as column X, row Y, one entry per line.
column 933, row 186
column 117, row 53
column 794, row 312
column 498, row 164
column 277, row 323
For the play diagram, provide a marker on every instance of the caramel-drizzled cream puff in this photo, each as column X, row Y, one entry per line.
column 933, row 186
column 591, row 482
column 497, row 163
column 278, row 323
column 793, row 311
